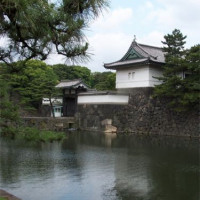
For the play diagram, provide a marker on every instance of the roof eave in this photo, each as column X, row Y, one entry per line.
column 127, row 65
column 72, row 86
column 147, row 62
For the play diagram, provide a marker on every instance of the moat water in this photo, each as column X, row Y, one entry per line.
column 93, row 166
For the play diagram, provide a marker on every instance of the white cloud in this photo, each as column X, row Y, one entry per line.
column 55, row 58
column 113, row 19
column 110, row 42
column 165, row 15
column 153, row 38
column 107, row 48
column 172, row 14
column 107, row 42
column 112, row 33
column 149, row 5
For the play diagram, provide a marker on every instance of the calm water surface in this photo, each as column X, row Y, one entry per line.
column 92, row 166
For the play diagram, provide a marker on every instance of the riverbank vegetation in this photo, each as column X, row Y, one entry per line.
column 23, row 80
column 3, row 198
column 23, row 85
column 31, row 134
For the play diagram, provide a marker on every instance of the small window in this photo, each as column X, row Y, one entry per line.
column 187, row 75
column 129, row 75
column 57, row 110
column 133, row 75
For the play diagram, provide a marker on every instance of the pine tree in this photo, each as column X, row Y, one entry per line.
column 35, row 27
column 179, row 90
column 191, row 81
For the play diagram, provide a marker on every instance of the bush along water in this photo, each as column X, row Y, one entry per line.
column 32, row 134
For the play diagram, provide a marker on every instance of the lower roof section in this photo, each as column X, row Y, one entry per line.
column 103, row 98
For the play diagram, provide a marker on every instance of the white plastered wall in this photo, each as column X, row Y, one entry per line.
column 103, row 99
column 132, row 77
column 137, row 77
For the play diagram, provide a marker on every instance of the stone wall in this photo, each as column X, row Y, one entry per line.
column 49, row 123
column 143, row 115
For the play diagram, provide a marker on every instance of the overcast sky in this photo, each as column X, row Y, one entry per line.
column 111, row 34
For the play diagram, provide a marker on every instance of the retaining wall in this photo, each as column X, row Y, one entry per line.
column 50, row 123
column 143, row 115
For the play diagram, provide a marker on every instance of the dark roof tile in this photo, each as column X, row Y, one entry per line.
column 147, row 54
column 71, row 84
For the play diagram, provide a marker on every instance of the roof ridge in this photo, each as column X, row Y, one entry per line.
column 137, row 44
column 149, row 55
column 126, row 52
column 133, row 44
column 150, row 46
column 68, row 80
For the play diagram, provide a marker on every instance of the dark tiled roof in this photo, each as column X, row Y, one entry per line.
column 125, row 62
column 145, row 54
column 155, row 53
column 71, row 84
column 102, row 93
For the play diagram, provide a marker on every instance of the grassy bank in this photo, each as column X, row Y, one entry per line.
column 7, row 196
column 32, row 134
column 3, row 198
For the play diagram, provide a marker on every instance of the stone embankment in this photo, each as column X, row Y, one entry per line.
column 49, row 123
column 7, row 195
column 143, row 115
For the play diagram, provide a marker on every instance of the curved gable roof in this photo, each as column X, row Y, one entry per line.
column 139, row 54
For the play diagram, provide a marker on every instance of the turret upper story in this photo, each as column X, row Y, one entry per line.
column 139, row 66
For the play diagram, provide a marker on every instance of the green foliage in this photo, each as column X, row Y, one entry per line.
column 8, row 112
column 2, row 198
column 34, row 28
column 191, row 94
column 103, row 81
column 32, row 80
column 174, row 54
column 174, row 46
column 98, row 80
column 35, row 135
column 181, row 91
column 65, row 72
column 9, row 131
column 31, row 134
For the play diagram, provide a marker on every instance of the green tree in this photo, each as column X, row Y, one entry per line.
column 32, row 80
column 35, row 27
column 65, row 72
column 98, row 80
column 103, row 81
column 191, row 82
column 8, row 111
column 181, row 91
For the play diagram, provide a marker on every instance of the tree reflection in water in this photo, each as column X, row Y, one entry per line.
column 98, row 166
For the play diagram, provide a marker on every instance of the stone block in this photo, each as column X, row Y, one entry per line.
column 106, row 122
column 110, row 129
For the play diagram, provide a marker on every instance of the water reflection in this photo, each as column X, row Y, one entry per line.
column 97, row 166
column 158, row 169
